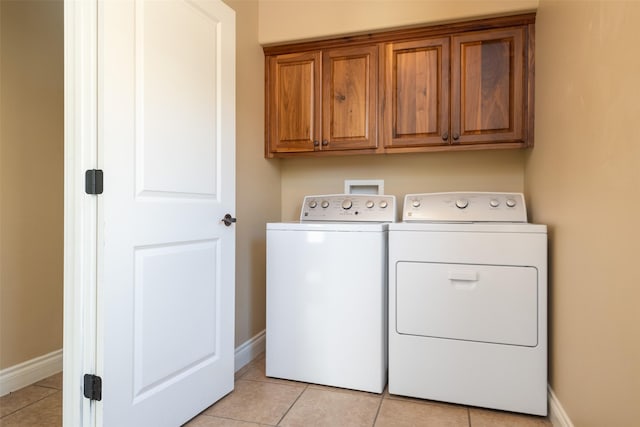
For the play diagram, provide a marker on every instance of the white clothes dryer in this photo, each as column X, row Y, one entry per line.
column 327, row 293
column 468, row 302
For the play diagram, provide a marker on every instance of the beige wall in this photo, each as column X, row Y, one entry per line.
column 402, row 173
column 583, row 179
column 286, row 20
column 31, row 179
column 258, row 180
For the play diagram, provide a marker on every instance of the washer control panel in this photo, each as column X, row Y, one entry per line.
column 465, row 207
column 349, row 207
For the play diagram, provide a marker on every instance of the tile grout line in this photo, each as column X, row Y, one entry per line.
column 295, row 385
column 220, row 417
column 292, row 404
column 468, row 417
column 375, row 419
column 32, row 403
column 49, row 387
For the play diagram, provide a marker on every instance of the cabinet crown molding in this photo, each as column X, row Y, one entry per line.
column 404, row 33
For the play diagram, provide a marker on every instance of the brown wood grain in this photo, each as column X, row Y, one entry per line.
column 349, row 104
column 293, row 100
column 416, row 88
column 488, row 86
column 457, row 86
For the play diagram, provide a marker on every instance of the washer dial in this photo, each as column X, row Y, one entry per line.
column 462, row 203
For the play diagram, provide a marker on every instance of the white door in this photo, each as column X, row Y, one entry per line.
column 166, row 143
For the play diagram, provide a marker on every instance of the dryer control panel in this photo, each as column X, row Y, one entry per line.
column 349, row 207
column 465, row 207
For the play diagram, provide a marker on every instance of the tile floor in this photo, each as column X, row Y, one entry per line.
column 258, row 401
column 39, row 404
column 261, row 401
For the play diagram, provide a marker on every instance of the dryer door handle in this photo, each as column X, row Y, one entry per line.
column 463, row 276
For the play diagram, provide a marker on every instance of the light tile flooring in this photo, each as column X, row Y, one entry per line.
column 259, row 401
column 39, row 404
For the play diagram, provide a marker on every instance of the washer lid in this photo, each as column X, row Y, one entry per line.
column 328, row 226
column 478, row 227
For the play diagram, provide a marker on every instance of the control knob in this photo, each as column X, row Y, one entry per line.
column 313, row 204
column 462, row 203
column 347, row 204
column 369, row 204
column 383, row 204
column 324, row 204
column 511, row 203
column 494, row 203
column 415, row 203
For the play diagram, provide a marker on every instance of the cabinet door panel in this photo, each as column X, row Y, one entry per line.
column 488, row 86
column 416, row 81
column 349, row 98
column 294, row 102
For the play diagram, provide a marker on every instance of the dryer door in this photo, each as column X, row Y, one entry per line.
column 471, row 302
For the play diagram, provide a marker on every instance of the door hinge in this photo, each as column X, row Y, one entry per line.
column 92, row 387
column 93, row 181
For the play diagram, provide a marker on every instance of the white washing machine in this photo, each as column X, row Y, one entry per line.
column 327, row 292
column 468, row 302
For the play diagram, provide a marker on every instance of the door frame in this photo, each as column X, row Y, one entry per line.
column 80, row 209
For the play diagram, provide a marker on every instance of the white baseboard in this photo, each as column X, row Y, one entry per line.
column 557, row 415
column 39, row 368
column 248, row 350
column 26, row 373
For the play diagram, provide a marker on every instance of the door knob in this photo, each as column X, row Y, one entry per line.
column 228, row 220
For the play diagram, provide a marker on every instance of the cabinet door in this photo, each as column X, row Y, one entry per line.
column 349, row 98
column 416, row 90
column 293, row 92
column 488, row 86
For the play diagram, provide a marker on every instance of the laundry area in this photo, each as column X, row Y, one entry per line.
column 461, row 283
column 354, row 213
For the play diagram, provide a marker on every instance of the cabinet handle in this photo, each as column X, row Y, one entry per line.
column 455, row 136
column 325, row 142
column 445, row 136
column 316, row 143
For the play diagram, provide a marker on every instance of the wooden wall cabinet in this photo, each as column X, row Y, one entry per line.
column 293, row 105
column 460, row 90
column 416, row 93
column 322, row 100
column 458, row 86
